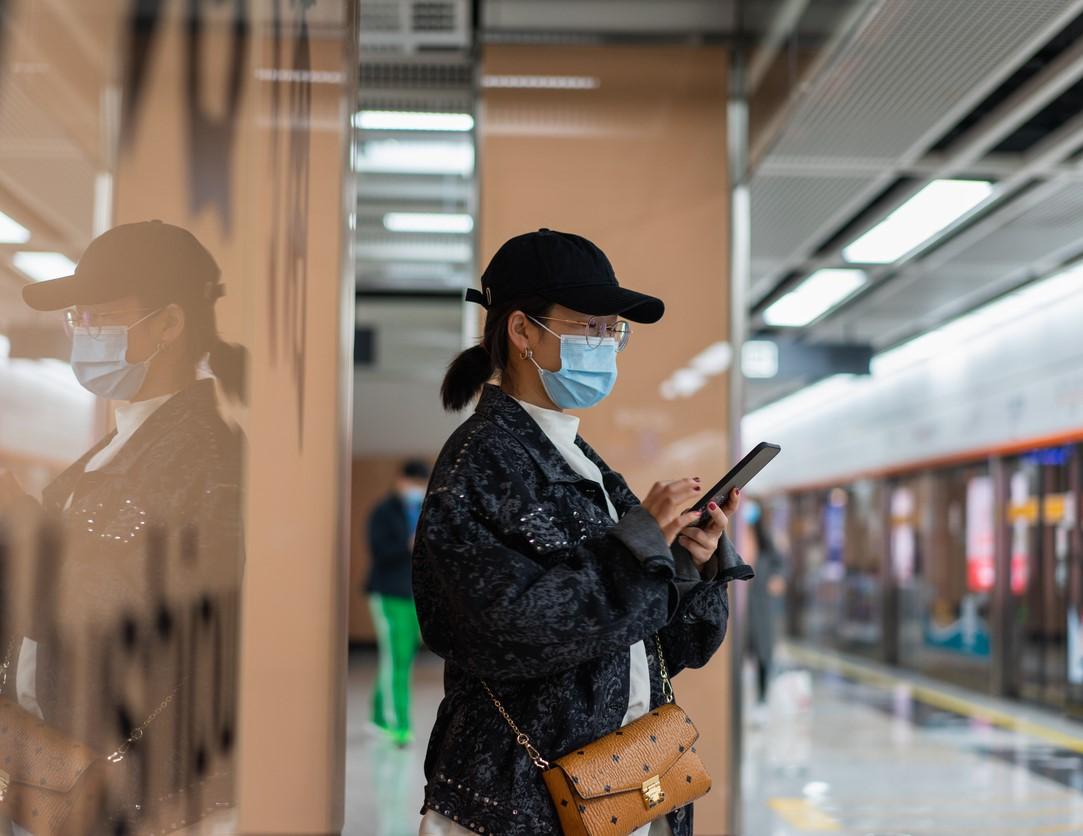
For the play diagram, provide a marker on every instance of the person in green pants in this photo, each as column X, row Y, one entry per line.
column 391, row 541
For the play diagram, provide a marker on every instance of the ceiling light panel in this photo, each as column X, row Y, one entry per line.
column 404, row 120
column 428, row 222
column 815, row 296
column 391, row 156
column 11, row 231
column 920, row 219
column 42, row 266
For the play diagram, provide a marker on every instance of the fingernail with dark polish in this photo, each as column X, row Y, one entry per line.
column 696, row 488
column 713, row 506
column 695, row 478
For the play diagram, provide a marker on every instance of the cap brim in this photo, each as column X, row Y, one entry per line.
column 604, row 300
column 55, row 294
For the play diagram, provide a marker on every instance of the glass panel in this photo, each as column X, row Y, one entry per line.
column 168, row 160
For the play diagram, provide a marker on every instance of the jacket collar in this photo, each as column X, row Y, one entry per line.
column 182, row 407
column 503, row 410
column 196, row 399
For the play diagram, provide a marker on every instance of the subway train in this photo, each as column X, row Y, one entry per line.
column 930, row 511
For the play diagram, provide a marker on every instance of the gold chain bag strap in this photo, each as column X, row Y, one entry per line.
column 628, row 778
column 51, row 784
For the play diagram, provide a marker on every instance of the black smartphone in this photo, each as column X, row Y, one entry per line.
column 738, row 477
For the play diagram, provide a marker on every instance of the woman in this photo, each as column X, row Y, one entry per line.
column 135, row 600
column 536, row 569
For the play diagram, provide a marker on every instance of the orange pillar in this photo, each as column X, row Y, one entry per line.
column 636, row 161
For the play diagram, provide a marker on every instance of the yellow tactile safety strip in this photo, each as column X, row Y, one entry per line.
column 803, row 815
column 938, row 698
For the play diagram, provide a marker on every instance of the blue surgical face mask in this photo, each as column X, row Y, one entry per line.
column 587, row 371
column 99, row 358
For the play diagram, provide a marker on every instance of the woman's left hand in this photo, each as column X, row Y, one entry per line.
column 702, row 542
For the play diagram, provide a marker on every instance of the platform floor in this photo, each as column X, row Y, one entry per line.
column 842, row 746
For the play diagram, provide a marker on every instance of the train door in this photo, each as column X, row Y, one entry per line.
column 945, row 631
column 1074, row 533
column 861, row 607
column 812, row 599
column 908, row 578
column 1041, row 518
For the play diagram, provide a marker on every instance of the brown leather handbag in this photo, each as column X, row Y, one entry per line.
column 49, row 784
column 628, row 778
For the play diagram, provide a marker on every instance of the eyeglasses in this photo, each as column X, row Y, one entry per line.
column 93, row 323
column 596, row 330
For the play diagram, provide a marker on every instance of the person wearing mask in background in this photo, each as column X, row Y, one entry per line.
column 764, row 600
column 538, row 573
column 142, row 546
column 391, row 530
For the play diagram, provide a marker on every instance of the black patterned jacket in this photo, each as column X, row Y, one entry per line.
column 522, row 578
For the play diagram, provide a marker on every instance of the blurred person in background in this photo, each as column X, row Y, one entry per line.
column 391, row 529
column 765, row 599
column 538, row 572
column 128, row 644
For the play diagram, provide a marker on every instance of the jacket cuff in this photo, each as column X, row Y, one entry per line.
column 731, row 567
column 638, row 532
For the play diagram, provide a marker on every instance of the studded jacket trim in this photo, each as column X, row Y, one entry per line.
column 521, row 578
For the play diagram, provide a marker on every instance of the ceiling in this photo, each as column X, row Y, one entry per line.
column 855, row 105
column 911, row 92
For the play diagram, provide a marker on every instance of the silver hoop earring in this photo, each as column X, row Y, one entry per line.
column 526, row 354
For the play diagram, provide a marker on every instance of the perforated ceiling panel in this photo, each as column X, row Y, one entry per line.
column 789, row 215
column 911, row 71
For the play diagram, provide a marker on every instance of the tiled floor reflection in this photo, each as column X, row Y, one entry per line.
column 831, row 754
column 384, row 784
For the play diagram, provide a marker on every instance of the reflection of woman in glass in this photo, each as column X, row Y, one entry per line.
column 134, row 591
column 536, row 570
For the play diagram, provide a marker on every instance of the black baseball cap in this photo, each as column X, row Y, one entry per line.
column 565, row 269
column 155, row 260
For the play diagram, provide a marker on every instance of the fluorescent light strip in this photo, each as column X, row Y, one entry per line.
column 428, row 222
column 815, row 296
column 11, row 231
column 302, row 76
column 540, row 82
column 926, row 214
column 42, row 266
column 389, row 156
column 406, row 120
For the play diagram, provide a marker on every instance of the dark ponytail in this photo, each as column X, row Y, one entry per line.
column 229, row 362
column 465, row 376
column 473, row 368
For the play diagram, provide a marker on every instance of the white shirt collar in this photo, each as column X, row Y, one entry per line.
column 560, row 427
column 130, row 416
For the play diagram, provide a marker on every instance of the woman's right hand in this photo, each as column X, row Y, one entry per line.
column 668, row 502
